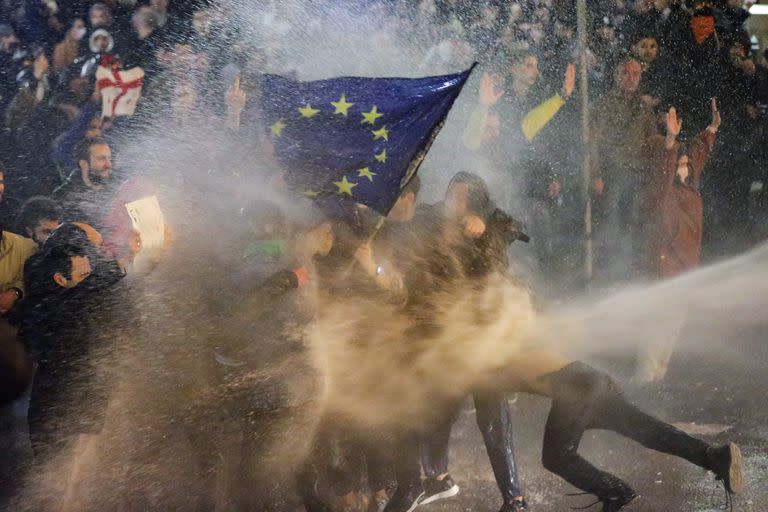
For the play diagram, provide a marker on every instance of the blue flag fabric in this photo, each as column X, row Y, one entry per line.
column 355, row 139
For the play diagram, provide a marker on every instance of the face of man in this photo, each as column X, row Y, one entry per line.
column 647, row 49
column 81, row 269
column 2, row 186
column 629, row 76
column 456, row 199
column 43, row 229
column 98, row 17
column 99, row 164
column 527, row 70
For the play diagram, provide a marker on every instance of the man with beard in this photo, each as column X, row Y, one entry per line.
column 86, row 192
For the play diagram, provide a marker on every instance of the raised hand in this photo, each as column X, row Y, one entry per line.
column 715, row 124
column 236, row 97
column 570, row 81
column 674, row 124
column 488, row 94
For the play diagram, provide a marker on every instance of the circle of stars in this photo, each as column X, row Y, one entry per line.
column 341, row 108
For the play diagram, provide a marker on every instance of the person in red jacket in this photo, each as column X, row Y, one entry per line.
column 674, row 199
column 674, row 207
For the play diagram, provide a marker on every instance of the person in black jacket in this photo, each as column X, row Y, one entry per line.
column 473, row 235
column 68, row 289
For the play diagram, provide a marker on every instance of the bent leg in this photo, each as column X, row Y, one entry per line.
column 572, row 413
column 584, row 398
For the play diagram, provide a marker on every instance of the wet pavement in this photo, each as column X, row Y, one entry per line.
column 716, row 401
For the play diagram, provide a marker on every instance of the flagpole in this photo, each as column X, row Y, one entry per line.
column 581, row 25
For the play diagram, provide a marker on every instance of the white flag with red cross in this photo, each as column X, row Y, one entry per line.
column 120, row 89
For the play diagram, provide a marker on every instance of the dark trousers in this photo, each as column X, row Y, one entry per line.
column 582, row 399
column 495, row 422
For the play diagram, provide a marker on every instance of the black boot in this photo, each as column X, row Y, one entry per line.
column 725, row 462
column 616, row 503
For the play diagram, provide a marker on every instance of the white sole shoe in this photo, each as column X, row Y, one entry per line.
column 448, row 493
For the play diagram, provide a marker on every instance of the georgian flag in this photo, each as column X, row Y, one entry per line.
column 120, row 89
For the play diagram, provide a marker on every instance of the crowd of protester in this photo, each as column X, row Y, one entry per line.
column 677, row 114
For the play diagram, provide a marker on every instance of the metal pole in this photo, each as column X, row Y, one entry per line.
column 581, row 20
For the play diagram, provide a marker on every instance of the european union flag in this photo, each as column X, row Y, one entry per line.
column 356, row 139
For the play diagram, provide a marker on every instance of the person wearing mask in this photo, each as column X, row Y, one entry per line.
column 674, row 209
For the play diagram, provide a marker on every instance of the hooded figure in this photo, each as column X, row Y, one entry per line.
column 488, row 251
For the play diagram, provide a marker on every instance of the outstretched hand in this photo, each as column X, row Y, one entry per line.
column 570, row 81
column 488, row 94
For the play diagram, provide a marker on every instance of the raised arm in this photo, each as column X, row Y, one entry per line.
column 539, row 117
column 489, row 96
column 701, row 146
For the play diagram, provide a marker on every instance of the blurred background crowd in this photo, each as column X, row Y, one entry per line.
column 675, row 54
column 82, row 80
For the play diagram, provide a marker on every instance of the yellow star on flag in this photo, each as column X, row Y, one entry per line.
column 381, row 133
column 277, row 128
column 381, row 157
column 308, row 111
column 342, row 105
column 365, row 172
column 310, row 193
column 345, row 187
column 371, row 117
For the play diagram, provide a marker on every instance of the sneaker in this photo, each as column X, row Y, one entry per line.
column 515, row 506
column 405, row 499
column 435, row 490
column 726, row 464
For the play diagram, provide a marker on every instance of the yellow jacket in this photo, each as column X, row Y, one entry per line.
column 531, row 124
column 14, row 251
